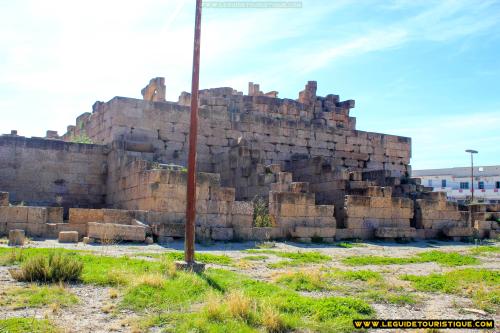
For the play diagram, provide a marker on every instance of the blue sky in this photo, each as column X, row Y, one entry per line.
column 425, row 69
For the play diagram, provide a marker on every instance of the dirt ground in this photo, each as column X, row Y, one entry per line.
column 88, row 315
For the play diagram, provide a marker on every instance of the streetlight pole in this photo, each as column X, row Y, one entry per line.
column 472, row 152
column 190, row 263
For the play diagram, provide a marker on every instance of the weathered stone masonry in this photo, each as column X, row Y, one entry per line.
column 320, row 176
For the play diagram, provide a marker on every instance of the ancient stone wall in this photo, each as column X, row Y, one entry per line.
column 280, row 128
column 52, row 172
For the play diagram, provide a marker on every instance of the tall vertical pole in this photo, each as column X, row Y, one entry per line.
column 472, row 175
column 193, row 133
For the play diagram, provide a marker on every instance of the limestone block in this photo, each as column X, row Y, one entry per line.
column 37, row 215
column 17, row 214
column 482, row 224
column 349, row 233
column 217, row 220
column 493, row 234
column 172, row 230
column 356, row 200
column 362, row 211
column 116, row 232
column 354, row 222
column 380, row 202
column 202, row 233
column 313, row 232
column 81, row 228
column 4, row 214
column 394, row 232
column 55, row 214
column 242, row 220
column 458, row 232
column 222, row 234
column 68, row 237
column 84, row 215
column 224, row 194
column 324, row 222
column 4, row 198
column 374, row 191
column 16, row 237
column 325, row 210
column 299, row 187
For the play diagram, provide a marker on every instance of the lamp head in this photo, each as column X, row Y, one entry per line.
column 472, row 151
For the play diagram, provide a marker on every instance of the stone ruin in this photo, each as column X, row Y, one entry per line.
column 268, row 168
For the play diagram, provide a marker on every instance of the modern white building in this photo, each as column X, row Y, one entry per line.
column 456, row 182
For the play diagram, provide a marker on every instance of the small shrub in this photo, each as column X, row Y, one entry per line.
column 54, row 268
column 239, row 305
column 214, row 308
column 261, row 217
column 154, row 280
column 272, row 320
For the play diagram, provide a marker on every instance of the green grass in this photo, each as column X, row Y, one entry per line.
column 100, row 270
column 34, row 296
column 442, row 258
column 27, row 325
column 304, row 281
column 207, row 258
column 255, row 258
column 485, row 249
column 482, row 285
column 175, row 293
column 291, row 310
column 295, row 258
column 364, row 284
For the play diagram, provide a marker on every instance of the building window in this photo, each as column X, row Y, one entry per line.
column 443, row 182
column 464, row 185
column 497, row 184
column 429, row 182
column 480, row 185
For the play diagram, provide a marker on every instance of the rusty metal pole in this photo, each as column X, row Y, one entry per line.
column 193, row 133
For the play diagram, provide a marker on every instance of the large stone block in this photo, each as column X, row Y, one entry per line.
column 16, row 237
column 17, row 214
column 37, row 215
column 323, row 232
column 223, row 234
column 68, row 237
column 394, row 232
column 83, row 215
column 116, row 232
column 245, row 221
column 458, row 232
column 349, row 233
column 55, row 214
column 171, row 230
column 117, row 216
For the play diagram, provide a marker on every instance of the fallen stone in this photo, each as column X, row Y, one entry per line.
column 149, row 240
column 16, row 237
column 68, row 237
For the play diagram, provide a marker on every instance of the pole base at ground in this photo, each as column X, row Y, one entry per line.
column 194, row 267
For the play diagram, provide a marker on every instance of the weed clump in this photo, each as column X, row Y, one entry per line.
column 54, row 268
